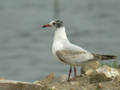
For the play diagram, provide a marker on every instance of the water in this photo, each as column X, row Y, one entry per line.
column 25, row 48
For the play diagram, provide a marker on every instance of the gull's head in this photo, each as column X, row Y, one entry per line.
column 54, row 24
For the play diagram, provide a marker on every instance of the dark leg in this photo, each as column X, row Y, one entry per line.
column 74, row 72
column 81, row 73
column 70, row 70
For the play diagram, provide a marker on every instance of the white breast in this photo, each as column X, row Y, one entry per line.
column 60, row 40
column 62, row 43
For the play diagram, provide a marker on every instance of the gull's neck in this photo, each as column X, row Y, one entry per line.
column 60, row 35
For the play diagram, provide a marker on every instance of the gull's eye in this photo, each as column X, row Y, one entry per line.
column 53, row 23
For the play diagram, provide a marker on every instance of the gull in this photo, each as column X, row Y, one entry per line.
column 69, row 53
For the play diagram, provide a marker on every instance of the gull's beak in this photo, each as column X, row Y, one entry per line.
column 46, row 25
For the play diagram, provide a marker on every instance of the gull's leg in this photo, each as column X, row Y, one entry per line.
column 75, row 72
column 70, row 70
column 81, row 74
column 80, row 71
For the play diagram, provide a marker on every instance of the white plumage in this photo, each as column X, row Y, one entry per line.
column 71, row 54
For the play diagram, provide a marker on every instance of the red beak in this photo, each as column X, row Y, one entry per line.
column 46, row 25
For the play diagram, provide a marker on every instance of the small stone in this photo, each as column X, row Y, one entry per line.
column 99, row 85
column 53, row 88
column 50, row 77
column 36, row 82
column 89, row 72
column 74, row 83
column 62, row 78
column 46, row 80
column 72, row 89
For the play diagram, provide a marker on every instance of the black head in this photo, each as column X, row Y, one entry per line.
column 55, row 24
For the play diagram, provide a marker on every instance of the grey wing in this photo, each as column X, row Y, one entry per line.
column 73, row 57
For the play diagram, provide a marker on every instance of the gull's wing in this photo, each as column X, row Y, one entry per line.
column 73, row 57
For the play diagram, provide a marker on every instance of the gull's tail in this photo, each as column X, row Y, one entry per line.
column 104, row 57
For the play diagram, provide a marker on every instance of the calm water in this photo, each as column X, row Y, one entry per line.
column 25, row 48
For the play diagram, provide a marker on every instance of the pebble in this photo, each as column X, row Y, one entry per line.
column 74, row 83
column 62, row 78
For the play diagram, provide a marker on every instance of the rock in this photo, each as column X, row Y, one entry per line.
column 53, row 88
column 87, row 67
column 18, row 85
column 62, row 78
column 104, row 73
column 37, row 82
column 96, row 73
column 99, row 86
column 74, row 83
column 89, row 72
column 108, row 71
column 46, row 80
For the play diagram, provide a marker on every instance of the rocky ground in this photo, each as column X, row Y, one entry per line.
column 81, row 83
column 93, row 77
